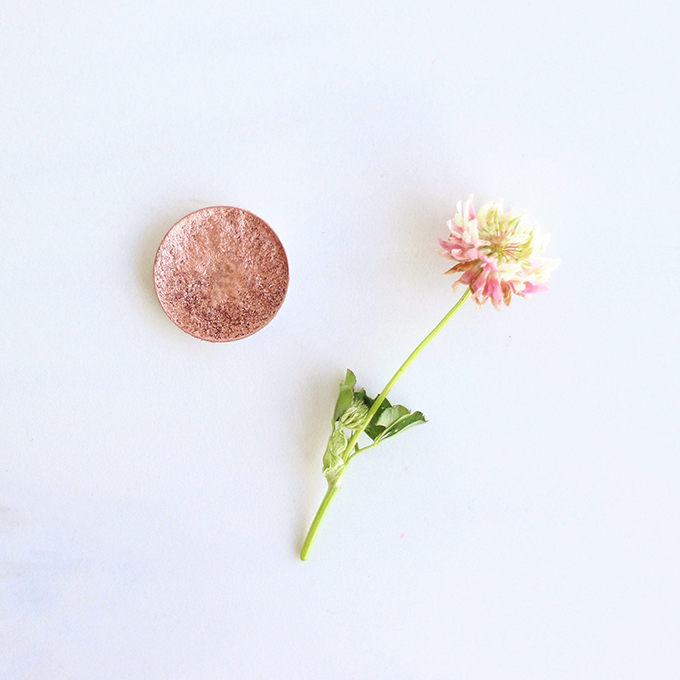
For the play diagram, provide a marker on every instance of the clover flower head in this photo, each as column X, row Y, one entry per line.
column 497, row 253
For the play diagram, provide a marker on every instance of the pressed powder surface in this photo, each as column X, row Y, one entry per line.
column 221, row 274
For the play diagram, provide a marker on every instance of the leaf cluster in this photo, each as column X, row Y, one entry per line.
column 387, row 421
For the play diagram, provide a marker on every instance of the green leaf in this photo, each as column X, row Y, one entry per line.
column 373, row 430
column 388, row 420
column 390, row 415
column 345, row 395
column 403, row 423
column 350, row 379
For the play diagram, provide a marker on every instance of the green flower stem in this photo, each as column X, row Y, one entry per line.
column 402, row 369
column 316, row 522
column 366, row 448
column 334, row 488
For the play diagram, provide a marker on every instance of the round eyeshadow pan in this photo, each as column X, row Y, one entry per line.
column 221, row 274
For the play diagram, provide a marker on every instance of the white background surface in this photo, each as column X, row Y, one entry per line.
column 155, row 489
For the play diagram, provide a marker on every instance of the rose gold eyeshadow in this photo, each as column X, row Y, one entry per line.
column 221, row 274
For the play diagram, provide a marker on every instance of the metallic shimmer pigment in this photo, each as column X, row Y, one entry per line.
column 221, row 274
